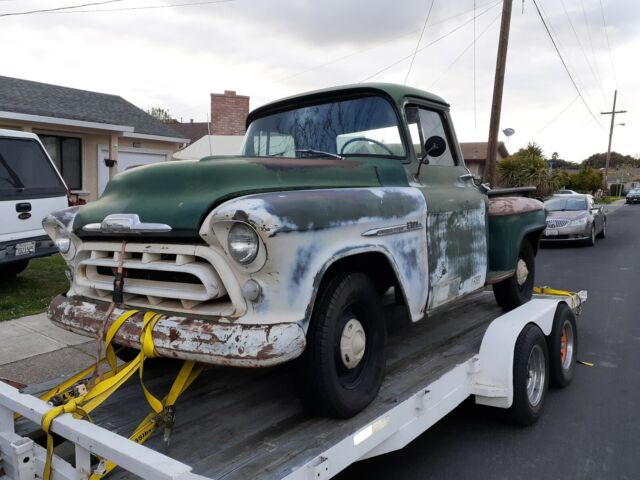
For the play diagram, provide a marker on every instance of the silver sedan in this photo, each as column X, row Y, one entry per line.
column 574, row 218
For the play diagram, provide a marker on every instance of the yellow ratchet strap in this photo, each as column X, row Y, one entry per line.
column 187, row 375
column 552, row 291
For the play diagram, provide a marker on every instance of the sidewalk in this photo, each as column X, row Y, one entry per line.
column 33, row 350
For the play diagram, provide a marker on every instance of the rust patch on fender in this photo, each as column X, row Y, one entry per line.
column 502, row 206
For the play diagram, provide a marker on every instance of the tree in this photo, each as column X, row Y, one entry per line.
column 599, row 160
column 160, row 113
column 586, row 180
column 528, row 167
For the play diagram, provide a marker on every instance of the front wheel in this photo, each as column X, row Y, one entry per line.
column 530, row 375
column 603, row 233
column 345, row 357
column 591, row 241
column 516, row 290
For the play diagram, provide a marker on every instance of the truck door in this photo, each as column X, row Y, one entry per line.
column 456, row 210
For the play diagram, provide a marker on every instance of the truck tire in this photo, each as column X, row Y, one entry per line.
column 344, row 361
column 517, row 290
column 530, row 375
column 563, row 347
column 10, row 270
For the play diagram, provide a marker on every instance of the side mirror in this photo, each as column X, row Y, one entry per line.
column 434, row 146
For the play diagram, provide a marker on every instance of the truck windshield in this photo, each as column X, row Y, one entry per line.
column 565, row 204
column 363, row 126
column 25, row 170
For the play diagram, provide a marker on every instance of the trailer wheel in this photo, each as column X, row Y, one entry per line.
column 530, row 375
column 345, row 357
column 563, row 346
column 516, row 290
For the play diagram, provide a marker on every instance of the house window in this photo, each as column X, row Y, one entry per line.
column 66, row 153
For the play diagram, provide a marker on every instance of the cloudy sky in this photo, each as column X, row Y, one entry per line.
column 174, row 57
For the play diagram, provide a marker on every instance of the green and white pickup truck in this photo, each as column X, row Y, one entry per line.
column 286, row 251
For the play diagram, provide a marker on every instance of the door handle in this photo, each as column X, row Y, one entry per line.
column 23, row 207
column 466, row 176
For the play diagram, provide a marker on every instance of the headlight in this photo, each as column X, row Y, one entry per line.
column 243, row 243
column 62, row 241
column 580, row 222
column 58, row 225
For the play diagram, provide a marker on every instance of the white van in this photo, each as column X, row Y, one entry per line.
column 30, row 189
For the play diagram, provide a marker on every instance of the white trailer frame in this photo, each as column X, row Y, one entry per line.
column 488, row 375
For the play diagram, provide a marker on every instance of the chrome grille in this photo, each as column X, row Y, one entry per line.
column 165, row 277
column 557, row 222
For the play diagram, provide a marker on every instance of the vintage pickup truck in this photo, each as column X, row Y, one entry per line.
column 286, row 251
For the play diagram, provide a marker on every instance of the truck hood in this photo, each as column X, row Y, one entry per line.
column 182, row 193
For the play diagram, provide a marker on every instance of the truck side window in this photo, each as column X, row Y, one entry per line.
column 431, row 124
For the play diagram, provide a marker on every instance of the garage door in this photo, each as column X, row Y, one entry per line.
column 126, row 159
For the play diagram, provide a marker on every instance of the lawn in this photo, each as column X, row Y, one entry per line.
column 31, row 291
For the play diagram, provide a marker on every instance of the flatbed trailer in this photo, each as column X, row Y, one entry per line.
column 240, row 424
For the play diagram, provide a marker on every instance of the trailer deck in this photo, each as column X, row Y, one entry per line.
column 238, row 424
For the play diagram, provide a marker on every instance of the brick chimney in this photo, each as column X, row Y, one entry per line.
column 228, row 113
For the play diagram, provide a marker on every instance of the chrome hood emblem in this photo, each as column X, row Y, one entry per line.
column 125, row 223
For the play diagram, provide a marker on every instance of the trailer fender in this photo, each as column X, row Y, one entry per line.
column 493, row 383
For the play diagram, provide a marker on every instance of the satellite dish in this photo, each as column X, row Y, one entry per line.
column 508, row 132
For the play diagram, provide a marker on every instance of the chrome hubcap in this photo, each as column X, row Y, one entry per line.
column 522, row 272
column 352, row 343
column 536, row 375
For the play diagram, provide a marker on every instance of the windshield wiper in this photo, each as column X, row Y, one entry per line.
column 318, row 152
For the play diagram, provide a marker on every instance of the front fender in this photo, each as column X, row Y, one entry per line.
column 304, row 232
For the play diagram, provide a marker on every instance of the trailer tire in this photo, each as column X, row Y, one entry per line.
column 517, row 290
column 530, row 375
column 563, row 347
column 344, row 362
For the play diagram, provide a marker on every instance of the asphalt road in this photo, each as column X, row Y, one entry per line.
column 590, row 430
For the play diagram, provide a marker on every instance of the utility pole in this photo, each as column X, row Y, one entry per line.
column 613, row 117
column 498, row 84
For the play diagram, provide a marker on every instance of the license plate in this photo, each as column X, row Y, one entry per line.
column 551, row 232
column 25, row 248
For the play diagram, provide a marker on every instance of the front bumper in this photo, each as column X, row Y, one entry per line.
column 200, row 339
column 567, row 234
column 633, row 200
column 43, row 246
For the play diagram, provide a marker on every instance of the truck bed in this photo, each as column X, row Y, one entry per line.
column 239, row 424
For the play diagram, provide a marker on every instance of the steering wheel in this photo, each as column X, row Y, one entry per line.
column 365, row 139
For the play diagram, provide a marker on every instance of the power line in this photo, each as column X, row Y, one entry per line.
column 466, row 49
column 561, row 48
column 50, row 10
column 575, row 34
column 593, row 53
column 373, row 47
column 564, row 64
column 429, row 44
column 559, row 114
column 424, row 26
column 149, row 7
column 604, row 25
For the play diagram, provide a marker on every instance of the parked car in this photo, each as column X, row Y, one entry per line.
column 30, row 189
column 566, row 192
column 574, row 218
column 338, row 196
column 633, row 196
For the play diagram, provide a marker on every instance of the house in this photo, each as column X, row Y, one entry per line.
column 89, row 135
column 225, row 133
column 475, row 156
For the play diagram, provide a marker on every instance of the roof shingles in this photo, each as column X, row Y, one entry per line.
column 36, row 98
